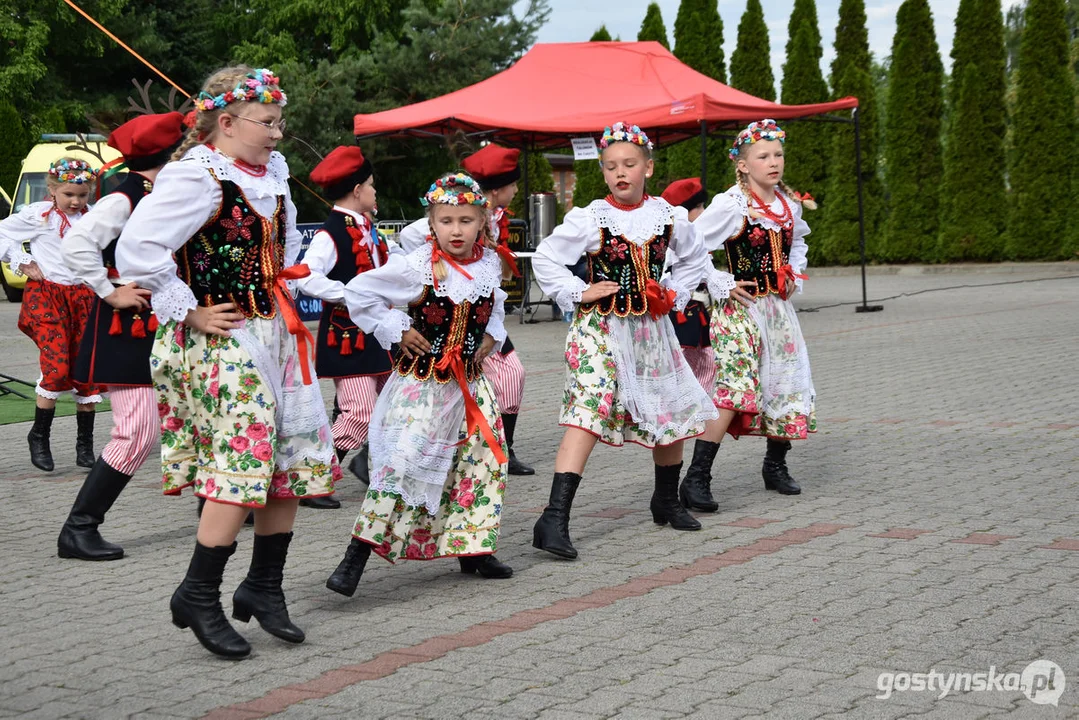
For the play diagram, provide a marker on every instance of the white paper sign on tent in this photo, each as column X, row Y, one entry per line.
column 584, row 148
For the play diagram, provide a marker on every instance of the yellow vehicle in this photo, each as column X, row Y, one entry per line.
column 31, row 185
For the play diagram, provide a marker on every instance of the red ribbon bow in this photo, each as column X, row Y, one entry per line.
column 508, row 255
column 304, row 342
column 437, row 254
column 787, row 275
column 802, row 197
column 452, row 361
column 660, row 300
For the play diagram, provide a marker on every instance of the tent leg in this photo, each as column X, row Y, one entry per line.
column 864, row 307
column 704, row 155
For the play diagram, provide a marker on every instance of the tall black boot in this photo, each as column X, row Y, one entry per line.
column 665, row 506
column 516, row 467
column 360, row 465
column 551, row 532
column 40, row 453
column 347, row 575
column 79, row 537
column 260, row 593
column 774, row 469
column 197, row 603
column 696, row 490
column 84, row 441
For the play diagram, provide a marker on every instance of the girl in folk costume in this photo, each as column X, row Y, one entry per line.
column 242, row 417
column 763, row 384
column 115, row 350
column 495, row 168
column 55, row 305
column 626, row 378
column 438, row 460
column 343, row 248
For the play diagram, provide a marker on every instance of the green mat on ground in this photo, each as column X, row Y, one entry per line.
column 14, row 409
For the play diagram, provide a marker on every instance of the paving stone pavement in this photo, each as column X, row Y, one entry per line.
column 938, row 531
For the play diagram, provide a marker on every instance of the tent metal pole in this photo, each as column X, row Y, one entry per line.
column 524, row 177
column 704, row 155
column 864, row 307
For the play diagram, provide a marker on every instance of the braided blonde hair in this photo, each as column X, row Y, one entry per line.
column 743, row 185
column 205, row 125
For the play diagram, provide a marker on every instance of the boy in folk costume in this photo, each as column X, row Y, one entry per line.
column 763, row 382
column 438, row 460
column 115, row 350
column 497, row 171
column 343, row 248
column 626, row 377
column 55, row 305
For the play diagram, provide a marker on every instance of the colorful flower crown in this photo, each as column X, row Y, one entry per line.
column 454, row 189
column 72, row 171
column 621, row 132
column 755, row 132
column 258, row 86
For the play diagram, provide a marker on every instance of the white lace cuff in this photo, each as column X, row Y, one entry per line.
column 496, row 328
column 174, row 301
column 681, row 294
column 720, row 284
column 568, row 296
column 19, row 259
column 391, row 327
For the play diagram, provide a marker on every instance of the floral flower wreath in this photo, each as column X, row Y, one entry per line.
column 454, row 189
column 257, row 86
column 72, row 171
column 621, row 132
column 755, row 132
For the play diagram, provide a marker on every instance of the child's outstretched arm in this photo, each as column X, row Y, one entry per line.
column 14, row 231
column 371, row 298
column 565, row 246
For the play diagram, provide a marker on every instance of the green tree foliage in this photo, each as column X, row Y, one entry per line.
column 751, row 62
column 698, row 38
column 974, row 157
column 914, row 163
column 14, row 148
column 652, row 28
column 1043, row 152
column 808, row 145
column 601, row 35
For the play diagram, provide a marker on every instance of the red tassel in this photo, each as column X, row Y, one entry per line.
column 681, row 317
column 115, row 328
column 152, row 325
column 346, row 345
column 138, row 328
column 703, row 315
column 331, row 338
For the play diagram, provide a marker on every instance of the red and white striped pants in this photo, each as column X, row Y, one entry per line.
column 507, row 375
column 136, row 428
column 703, row 363
column 356, row 398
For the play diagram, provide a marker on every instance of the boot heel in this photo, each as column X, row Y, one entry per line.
column 659, row 518
column 179, row 623
column 537, row 542
column 241, row 613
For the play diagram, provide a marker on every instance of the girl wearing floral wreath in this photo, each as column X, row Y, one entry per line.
column 242, row 417
column 626, row 377
column 55, row 305
column 438, row 455
column 763, row 384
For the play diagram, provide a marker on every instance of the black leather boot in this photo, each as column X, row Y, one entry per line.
column 360, row 465
column 665, row 506
column 551, row 532
column 260, row 593
column 774, row 469
column 347, row 575
column 487, row 566
column 197, row 603
column 84, row 441
column 40, row 453
column 696, row 490
column 79, row 537
column 516, row 467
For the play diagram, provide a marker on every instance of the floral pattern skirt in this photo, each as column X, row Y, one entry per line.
column 469, row 515
column 236, row 420
column 762, row 369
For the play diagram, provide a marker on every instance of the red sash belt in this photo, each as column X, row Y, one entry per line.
column 304, row 342
column 476, row 421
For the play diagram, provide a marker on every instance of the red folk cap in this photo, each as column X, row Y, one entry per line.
column 345, row 165
column 493, row 166
column 688, row 193
column 148, row 135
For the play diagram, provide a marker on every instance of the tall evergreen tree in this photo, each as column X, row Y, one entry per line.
column 1043, row 150
column 601, row 35
column 588, row 182
column 652, row 28
column 808, row 144
column 914, row 163
column 698, row 38
column 751, row 61
column 14, row 148
column 974, row 157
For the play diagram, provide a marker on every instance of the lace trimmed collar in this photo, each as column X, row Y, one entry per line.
column 486, row 275
column 271, row 184
column 638, row 225
column 736, row 194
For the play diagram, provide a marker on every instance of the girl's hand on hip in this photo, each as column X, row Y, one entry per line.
column 215, row 320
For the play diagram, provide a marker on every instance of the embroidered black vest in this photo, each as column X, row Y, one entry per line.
column 135, row 187
column 445, row 325
column 349, row 264
column 236, row 256
column 757, row 253
column 629, row 265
